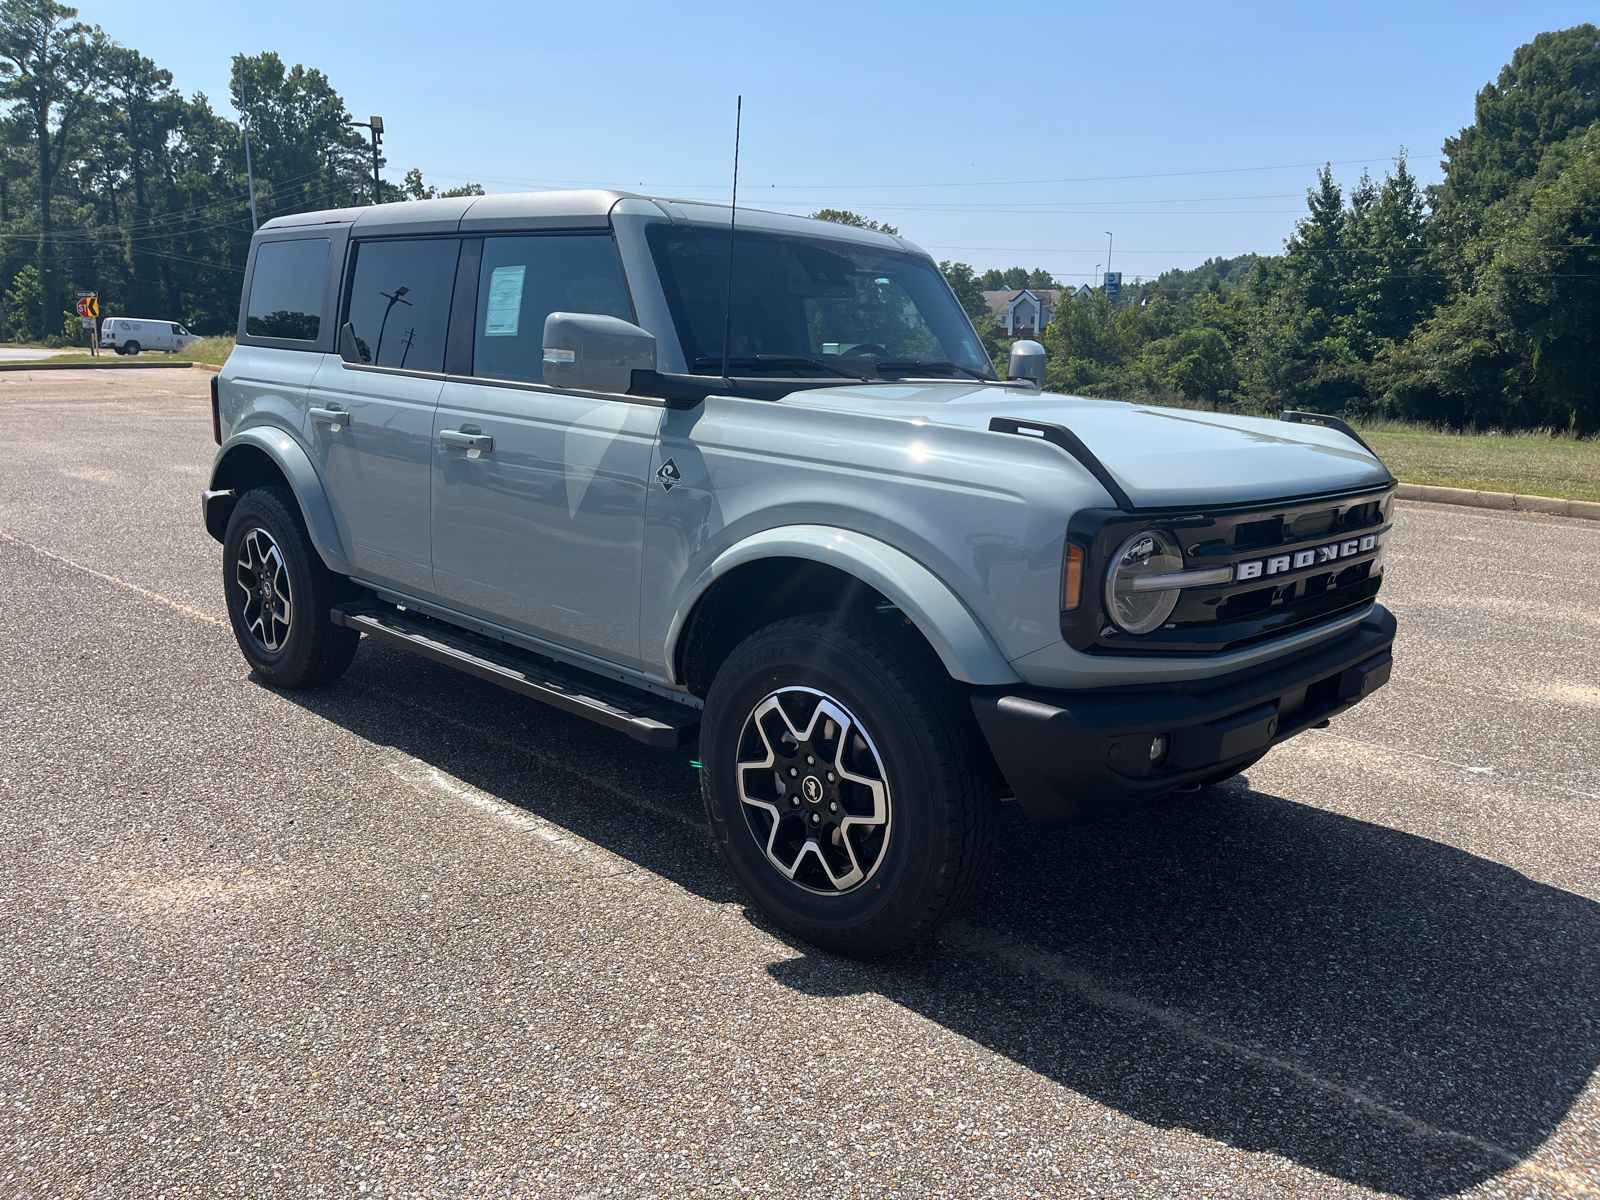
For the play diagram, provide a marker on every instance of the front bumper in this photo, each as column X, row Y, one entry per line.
column 1073, row 757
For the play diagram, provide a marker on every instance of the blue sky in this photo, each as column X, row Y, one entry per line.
column 987, row 136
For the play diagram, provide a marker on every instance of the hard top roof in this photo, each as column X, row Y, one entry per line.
column 577, row 208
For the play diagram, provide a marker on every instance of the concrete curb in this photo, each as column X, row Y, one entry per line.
column 1586, row 510
column 99, row 366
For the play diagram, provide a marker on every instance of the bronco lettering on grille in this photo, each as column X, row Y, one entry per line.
column 1279, row 564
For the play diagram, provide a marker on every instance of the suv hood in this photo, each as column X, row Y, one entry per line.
column 1162, row 457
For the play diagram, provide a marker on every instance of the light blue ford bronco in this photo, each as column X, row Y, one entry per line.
column 753, row 481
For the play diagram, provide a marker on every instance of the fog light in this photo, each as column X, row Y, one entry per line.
column 1158, row 749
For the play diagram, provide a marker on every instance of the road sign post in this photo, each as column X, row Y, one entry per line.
column 89, row 314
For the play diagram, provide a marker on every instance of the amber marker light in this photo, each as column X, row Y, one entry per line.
column 1072, row 578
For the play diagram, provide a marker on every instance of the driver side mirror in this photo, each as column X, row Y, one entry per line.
column 1027, row 362
column 595, row 353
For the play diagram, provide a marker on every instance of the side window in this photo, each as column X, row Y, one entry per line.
column 399, row 301
column 177, row 328
column 525, row 279
column 286, row 290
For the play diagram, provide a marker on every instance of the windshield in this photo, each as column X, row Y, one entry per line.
column 807, row 305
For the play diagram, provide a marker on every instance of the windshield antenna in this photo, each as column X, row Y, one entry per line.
column 733, row 214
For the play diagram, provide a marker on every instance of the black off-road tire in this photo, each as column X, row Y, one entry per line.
column 942, row 784
column 307, row 649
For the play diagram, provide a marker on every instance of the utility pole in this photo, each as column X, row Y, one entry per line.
column 1108, row 251
column 376, row 125
column 249, row 170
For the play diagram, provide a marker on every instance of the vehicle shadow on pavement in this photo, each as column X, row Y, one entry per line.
column 1367, row 1003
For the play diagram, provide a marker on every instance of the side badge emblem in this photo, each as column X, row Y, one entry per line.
column 668, row 475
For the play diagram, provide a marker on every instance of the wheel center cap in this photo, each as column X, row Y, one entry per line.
column 811, row 788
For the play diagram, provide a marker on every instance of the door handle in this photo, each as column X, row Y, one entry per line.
column 335, row 417
column 473, row 443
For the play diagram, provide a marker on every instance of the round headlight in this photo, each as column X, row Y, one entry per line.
column 1135, row 608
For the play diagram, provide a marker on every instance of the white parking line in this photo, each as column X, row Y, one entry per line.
column 132, row 587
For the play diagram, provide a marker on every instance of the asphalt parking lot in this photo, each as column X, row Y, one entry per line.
column 413, row 935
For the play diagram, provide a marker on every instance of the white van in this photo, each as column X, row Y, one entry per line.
column 129, row 335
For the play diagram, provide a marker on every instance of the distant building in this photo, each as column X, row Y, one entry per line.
column 1024, row 313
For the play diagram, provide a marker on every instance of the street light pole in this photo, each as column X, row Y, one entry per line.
column 1108, row 252
column 397, row 298
column 376, row 125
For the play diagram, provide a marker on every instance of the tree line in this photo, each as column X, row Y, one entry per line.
column 1474, row 302
column 112, row 180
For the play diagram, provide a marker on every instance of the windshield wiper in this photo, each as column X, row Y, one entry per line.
column 779, row 361
column 914, row 365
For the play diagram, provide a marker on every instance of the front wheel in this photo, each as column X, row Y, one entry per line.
column 279, row 593
column 847, row 783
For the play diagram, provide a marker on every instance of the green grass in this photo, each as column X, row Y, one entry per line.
column 212, row 350
column 1533, row 464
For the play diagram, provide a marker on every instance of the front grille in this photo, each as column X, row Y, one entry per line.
column 1293, row 565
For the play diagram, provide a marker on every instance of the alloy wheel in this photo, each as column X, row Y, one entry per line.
column 814, row 791
column 263, row 576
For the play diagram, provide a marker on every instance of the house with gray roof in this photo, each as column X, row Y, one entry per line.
column 1022, row 313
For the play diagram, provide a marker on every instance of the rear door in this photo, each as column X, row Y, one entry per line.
column 370, row 421
column 541, row 530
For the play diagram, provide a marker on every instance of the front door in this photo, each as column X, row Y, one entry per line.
column 541, row 527
column 370, row 423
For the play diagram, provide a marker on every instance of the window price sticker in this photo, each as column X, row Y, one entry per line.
column 505, row 302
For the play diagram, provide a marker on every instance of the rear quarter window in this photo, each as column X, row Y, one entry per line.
column 286, row 290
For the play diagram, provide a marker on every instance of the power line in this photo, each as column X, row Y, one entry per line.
column 1300, row 195
column 1099, row 212
column 972, row 183
column 171, row 221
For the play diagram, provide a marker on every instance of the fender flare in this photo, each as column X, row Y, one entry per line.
column 295, row 465
column 961, row 642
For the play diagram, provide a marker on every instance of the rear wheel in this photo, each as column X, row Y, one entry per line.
column 279, row 593
column 847, row 783
column 131, row 348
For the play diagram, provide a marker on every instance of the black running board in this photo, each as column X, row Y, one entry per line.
column 653, row 720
